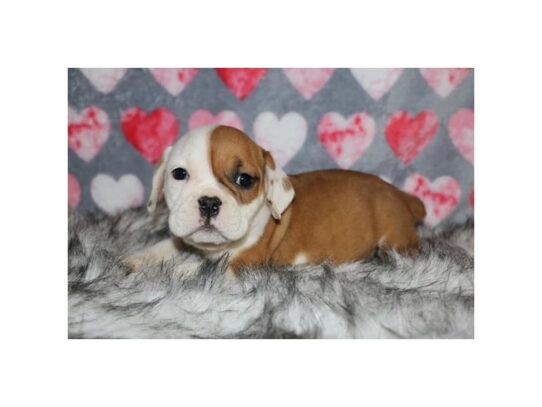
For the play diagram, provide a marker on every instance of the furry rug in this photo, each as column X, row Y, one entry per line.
column 431, row 296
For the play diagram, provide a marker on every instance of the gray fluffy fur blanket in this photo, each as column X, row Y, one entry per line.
column 430, row 296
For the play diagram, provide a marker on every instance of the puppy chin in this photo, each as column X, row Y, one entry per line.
column 207, row 237
column 219, row 235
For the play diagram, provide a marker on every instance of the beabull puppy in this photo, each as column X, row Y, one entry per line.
column 226, row 195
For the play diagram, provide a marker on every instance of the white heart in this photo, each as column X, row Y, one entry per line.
column 115, row 196
column 282, row 137
column 461, row 131
column 104, row 79
column 376, row 81
column 203, row 117
column 308, row 81
column 444, row 80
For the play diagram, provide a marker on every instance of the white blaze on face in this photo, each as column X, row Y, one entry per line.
column 192, row 152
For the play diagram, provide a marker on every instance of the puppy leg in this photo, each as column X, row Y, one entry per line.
column 161, row 251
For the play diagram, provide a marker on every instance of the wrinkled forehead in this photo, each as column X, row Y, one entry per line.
column 217, row 149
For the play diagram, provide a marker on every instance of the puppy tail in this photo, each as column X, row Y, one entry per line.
column 415, row 206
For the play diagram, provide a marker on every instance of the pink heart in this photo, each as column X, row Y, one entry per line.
column 74, row 191
column 408, row 136
column 346, row 140
column 308, row 81
column 444, row 80
column 471, row 198
column 241, row 81
column 203, row 117
column 376, row 81
column 115, row 196
column 104, row 79
column 88, row 131
column 174, row 80
column 150, row 133
column 283, row 137
column 461, row 131
column 440, row 197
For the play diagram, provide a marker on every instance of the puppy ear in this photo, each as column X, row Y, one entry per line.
column 158, row 180
column 278, row 188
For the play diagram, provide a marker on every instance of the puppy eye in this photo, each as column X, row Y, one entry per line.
column 244, row 180
column 179, row 174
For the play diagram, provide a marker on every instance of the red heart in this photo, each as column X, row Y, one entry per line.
column 241, row 81
column 408, row 136
column 346, row 140
column 471, row 198
column 440, row 197
column 87, row 131
column 150, row 132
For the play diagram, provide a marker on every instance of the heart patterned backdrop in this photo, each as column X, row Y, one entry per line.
column 412, row 127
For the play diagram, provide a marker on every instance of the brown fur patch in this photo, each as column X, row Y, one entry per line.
column 338, row 216
column 232, row 153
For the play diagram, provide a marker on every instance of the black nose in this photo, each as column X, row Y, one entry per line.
column 209, row 206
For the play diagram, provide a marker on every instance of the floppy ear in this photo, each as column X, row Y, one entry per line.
column 158, row 180
column 278, row 188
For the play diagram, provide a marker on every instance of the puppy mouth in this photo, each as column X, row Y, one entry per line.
column 207, row 225
column 210, row 233
column 207, row 236
column 208, row 228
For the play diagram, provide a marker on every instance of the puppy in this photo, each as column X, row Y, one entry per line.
column 226, row 194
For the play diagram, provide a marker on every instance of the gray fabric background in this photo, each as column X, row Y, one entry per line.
column 342, row 93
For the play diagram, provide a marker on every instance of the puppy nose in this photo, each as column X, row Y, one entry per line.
column 209, row 206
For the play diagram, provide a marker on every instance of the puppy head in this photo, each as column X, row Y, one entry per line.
column 216, row 181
